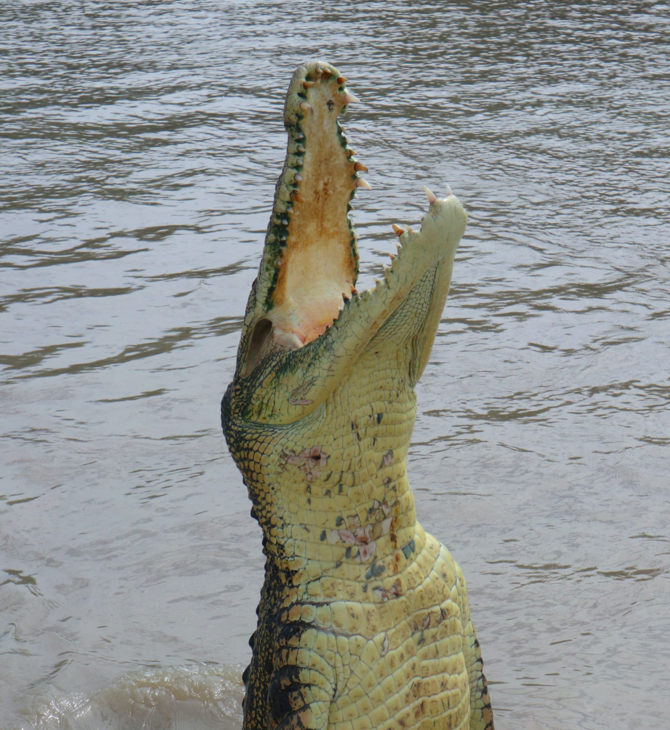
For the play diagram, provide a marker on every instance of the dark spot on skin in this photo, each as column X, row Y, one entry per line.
column 339, row 488
column 375, row 571
column 331, row 105
column 339, row 521
column 285, row 694
column 338, row 564
column 365, row 587
column 379, row 417
column 291, row 632
column 323, row 535
column 326, row 493
column 330, row 474
column 309, row 500
column 347, row 553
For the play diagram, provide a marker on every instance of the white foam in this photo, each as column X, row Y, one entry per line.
column 196, row 697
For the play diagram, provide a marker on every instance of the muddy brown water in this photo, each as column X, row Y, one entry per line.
column 140, row 143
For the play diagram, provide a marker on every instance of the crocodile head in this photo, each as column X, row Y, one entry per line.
column 306, row 324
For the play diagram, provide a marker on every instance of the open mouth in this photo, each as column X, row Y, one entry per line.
column 307, row 278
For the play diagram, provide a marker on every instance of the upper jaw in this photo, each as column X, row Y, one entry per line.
column 310, row 261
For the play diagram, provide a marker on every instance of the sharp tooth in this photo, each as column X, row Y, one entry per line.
column 305, row 106
column 360, row 183
column 449, row 190
column 399, row 231
column 429, row 194
column 341, row 80
column 350, row 98
column 392, row 256
column 300, row 149
column 295, row 195
column 308, row 84
column 360, row 167
column 297, row 177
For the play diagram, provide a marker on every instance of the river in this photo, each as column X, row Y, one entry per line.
column 140, row 144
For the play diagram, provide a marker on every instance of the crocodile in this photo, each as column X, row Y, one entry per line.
column 363, row 620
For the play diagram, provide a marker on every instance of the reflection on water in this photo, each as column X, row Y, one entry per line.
column 140, row 146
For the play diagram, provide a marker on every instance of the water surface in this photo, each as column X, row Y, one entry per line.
column 140, row 144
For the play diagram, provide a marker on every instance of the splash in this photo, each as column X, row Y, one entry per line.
column 170, row 698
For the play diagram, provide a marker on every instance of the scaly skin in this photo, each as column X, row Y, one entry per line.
column 363, row 620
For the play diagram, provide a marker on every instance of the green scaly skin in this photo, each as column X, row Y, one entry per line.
column 363, row 620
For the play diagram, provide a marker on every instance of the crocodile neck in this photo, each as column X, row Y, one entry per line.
column 332, row 497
